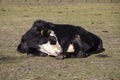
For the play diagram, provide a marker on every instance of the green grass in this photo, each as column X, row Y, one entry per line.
column 15, row 20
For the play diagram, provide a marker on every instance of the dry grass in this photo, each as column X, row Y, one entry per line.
column 101, row 19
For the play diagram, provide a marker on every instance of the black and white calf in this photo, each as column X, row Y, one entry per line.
column 60, row 40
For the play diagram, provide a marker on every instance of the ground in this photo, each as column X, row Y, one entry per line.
column 101, row 19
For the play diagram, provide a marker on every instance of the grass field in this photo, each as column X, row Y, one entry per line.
column 101, row 19
column 54, row 1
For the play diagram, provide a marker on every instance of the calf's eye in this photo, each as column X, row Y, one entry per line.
column 53, row 40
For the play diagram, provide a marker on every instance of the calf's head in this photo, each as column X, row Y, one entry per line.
column 40, row 38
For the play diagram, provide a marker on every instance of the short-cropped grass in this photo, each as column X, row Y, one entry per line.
column 101, row 19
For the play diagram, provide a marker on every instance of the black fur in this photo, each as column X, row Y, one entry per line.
column 87, row 44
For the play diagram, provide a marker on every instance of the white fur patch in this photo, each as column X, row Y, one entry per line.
column 49, row 49
column 53, row 50
column 70, row 48
column 52, row 33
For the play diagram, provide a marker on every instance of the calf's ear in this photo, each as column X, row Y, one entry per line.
column 42, row 31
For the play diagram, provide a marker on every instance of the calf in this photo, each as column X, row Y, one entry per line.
column 60, row 40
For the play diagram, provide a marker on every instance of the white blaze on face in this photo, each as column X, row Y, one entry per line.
column 53, row 50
